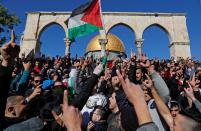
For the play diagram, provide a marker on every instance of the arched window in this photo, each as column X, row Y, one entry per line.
column 126, row 34
column 156, row 42
column 51, row 40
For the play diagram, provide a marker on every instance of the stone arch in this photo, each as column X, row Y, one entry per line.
column 46, row 44
column 174, row 25
column 45, row 26
column 117, row 24
column 40, row 30
column 128, row 31
column 163, row 27
column 158, row 38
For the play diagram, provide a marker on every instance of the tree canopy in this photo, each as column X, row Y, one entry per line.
column 7, row 22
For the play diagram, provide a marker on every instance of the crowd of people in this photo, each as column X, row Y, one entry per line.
column 62, row 93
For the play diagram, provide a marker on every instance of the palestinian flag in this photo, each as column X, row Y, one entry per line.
column 84, row 20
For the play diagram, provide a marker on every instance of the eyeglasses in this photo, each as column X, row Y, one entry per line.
column 37, row 81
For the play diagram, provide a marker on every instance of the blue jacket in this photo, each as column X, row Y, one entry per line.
column 47, row 84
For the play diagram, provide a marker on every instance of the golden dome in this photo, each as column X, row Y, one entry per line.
column 114, row 44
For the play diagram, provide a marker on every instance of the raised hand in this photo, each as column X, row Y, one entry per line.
column 27, row 66
column 85, row 63
column 71, row 116
column 189, row 92
column 143, row 58
column 147, row 64
column 58, row 118
column 136, row 96
column 37, row 91
column 132, row 55
column 10, row 51
column 148, row 82
column 90, row 126
column 194, row 83
column 98, row 69
column 107, row 75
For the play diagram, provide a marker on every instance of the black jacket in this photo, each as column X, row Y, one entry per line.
column 100, row 126
column 128, row 116
column 174, row 88
column 5, row 80
column 80, row 100
column 131, row 73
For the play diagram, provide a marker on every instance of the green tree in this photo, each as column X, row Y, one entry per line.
column 7, row 22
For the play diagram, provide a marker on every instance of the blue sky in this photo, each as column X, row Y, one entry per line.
column 156, row 40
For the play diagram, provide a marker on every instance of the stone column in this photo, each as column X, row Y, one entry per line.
column 28, row 47
column 103, row 43
column 67, row 42
column 37, row 52
column 29, row 39
column 180, row 49
column 139, row 43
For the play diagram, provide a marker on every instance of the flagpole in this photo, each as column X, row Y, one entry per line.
column 102, row 16
column 200, row 3
column 103, row 41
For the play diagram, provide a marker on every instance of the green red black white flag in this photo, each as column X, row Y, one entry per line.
column 84, row 20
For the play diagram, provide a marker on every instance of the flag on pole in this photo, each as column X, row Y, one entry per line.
column 84, row 20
